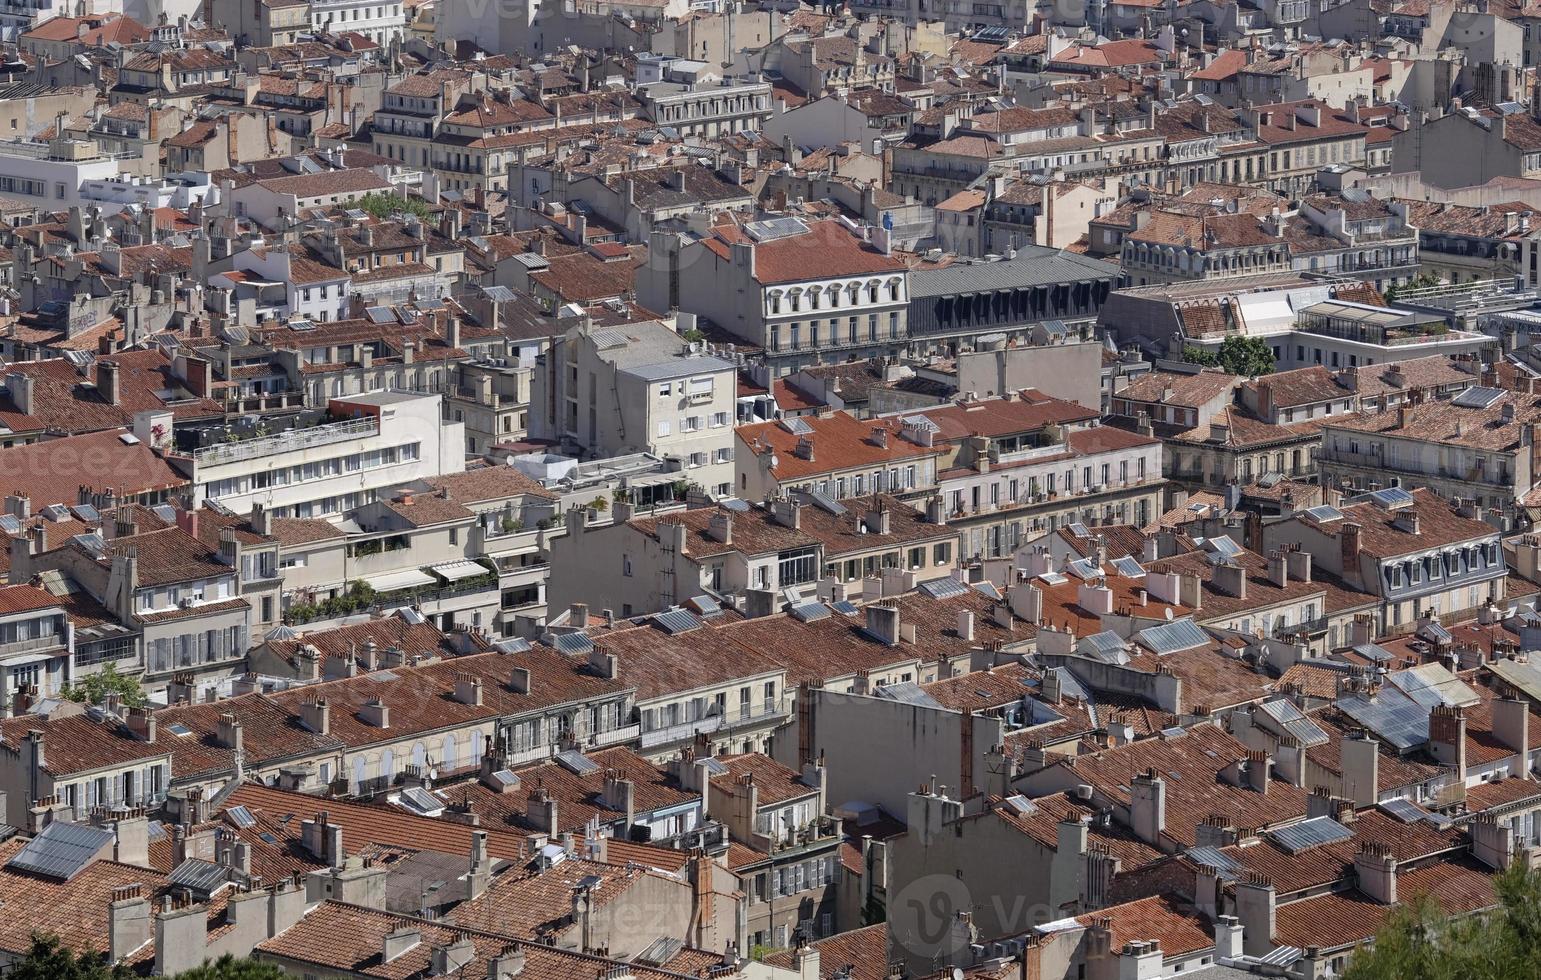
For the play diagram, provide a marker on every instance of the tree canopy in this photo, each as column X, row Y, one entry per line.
column 1246, row 356
column 1418, row 943
column 49, row 959
column 94, row 688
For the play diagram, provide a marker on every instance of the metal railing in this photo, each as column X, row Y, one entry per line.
column 296, row 439
column 714, row 721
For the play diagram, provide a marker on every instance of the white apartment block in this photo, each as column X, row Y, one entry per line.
column 381, row 439
column 51, row 174
column 640, row 388
column 380, row 20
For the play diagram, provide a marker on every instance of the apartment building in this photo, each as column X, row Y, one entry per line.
column 1478, row 446
column 802, row 291
column 50, row 174
column 1416, row 552
column 866, row 547
column 640, row 387
column 365, row 443
column 693, row 102
column 411, row 111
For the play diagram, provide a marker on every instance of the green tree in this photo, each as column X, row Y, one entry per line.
column 1422, row 280
column 1198, row 355
column 1418, row 943
column 228, row 967
column 49, row 959
column 1246, row 356
column 382, row 205
column 94, row 688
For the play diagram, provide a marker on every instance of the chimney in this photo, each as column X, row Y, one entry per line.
column 1348, row 537
column 108, row 384
column 965, row 627
column 1511, row 726
column 468, row 689
column 1278, row 570
column 1257, row 908
column 1376, row 867
column 398, row 942
column 883, row 623
column 540, row 812
column 720, row 526
column 1147, row 807
column 620, row 795
column 519, row 680
column 1360, row 762
column 1231, row 579
column 375, row 713
column 1447, row 737
column 1298, row 564
column 128, row 922
column 1259, row 771
column 230, row 733
column 480, row 873
column 316, row 715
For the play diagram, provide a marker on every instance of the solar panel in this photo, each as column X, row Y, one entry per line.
column 1079, row 530
column 1391, row 716
column 943, row 588
column 1107, row 646
column 514, row 644
column 1404, row 810
column 1324, row 514
column 676, row 621
column 1432, row 685
column 704, row 605
column 810, row 612
column 796, row 426
column 573, row 643
column 845, row 608
column 826, row 503
column 1021, row 804
column 1477, row 397
column 1374, row 653
column 505, row 778
column 241, row 817
column 1311, row 833
column 203, row 877
column 1128, row 567
column 1290, row 718
column 62, row 850
column 907, row 692
column 1085, row 568
column 987, row 587
column 713, row 766
column 380, row 314
column 157, row 830
column 10, row 524
column 576, row 762
column 1215, row 858
column 1391, row 497
column 419, row 799
column 1181, row 634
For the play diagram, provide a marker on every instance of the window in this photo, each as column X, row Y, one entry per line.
column 665, row 389
column 663, row 427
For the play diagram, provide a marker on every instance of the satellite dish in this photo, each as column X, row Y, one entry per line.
column 1169, row 614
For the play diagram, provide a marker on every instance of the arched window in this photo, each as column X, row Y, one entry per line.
column 420, row 756
column 447, row 754
column 360, row 772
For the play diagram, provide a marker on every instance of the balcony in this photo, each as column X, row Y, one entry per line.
column 32, row 645
column 295, row 440
column 531, row 754
column 270, row 402
column 716, row 720
column 616, row 736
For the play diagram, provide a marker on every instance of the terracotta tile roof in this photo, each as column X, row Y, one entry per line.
column 828, row 250
column 294, row 531
column 841, row 442
column 487, row 483
column 1050, row 811
column 1438, row 525
column 347, row 939
column 1197, row 757
column 75, row 743
column 1303, row 386
column 77, row 911
column 777, row 784
column 531, row 904
column 1393, row 771
column 980, row 690
column 578, row 798
column 1178, row 927
column 1345, row 918
column 1182, row 390
column 53, row 471
column 414, row 639
column 864, row 951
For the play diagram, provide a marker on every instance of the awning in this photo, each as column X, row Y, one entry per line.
column 454, row 571
column 391, row 581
